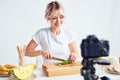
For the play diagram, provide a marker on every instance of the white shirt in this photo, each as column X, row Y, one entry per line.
column 57, row 45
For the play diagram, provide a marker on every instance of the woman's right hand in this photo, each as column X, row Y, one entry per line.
column 46, row 55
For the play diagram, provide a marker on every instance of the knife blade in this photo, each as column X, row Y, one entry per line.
column 59, row 59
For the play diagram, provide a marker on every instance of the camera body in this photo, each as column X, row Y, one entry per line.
column 92, row 47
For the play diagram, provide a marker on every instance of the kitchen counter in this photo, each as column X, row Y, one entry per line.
column 99, row 71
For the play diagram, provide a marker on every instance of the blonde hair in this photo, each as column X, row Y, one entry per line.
column 51, row 7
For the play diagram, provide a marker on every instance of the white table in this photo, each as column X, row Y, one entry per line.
column 41, row 76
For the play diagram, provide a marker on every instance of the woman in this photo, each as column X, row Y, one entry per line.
column 54, row 40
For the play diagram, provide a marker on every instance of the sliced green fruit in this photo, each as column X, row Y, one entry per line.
column 22, row 72
column 63, row 62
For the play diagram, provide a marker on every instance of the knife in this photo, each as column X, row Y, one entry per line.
column 59, row 59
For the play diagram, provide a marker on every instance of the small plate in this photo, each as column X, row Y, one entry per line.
column 117, row 73
column 5, row 75
column 30, row 78
column 113, row 69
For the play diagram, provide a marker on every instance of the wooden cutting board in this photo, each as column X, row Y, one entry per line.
column 51, row 69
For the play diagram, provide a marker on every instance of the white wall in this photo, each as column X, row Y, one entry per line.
column 20, row 19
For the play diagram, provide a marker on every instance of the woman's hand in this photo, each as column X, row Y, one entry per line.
column 73, row 56
column 74, row 52
column 46, row 55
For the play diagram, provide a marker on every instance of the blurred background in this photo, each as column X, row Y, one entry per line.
column 20, row 19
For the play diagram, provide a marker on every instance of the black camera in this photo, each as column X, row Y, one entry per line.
column 92, row 47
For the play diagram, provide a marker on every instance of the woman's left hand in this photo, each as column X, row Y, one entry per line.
column 73, row 57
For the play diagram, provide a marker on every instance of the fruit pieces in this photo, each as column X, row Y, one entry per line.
column 63, row 62
column 34, row 66
column 5, row 69
column 9, row 66
column 4, row 72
